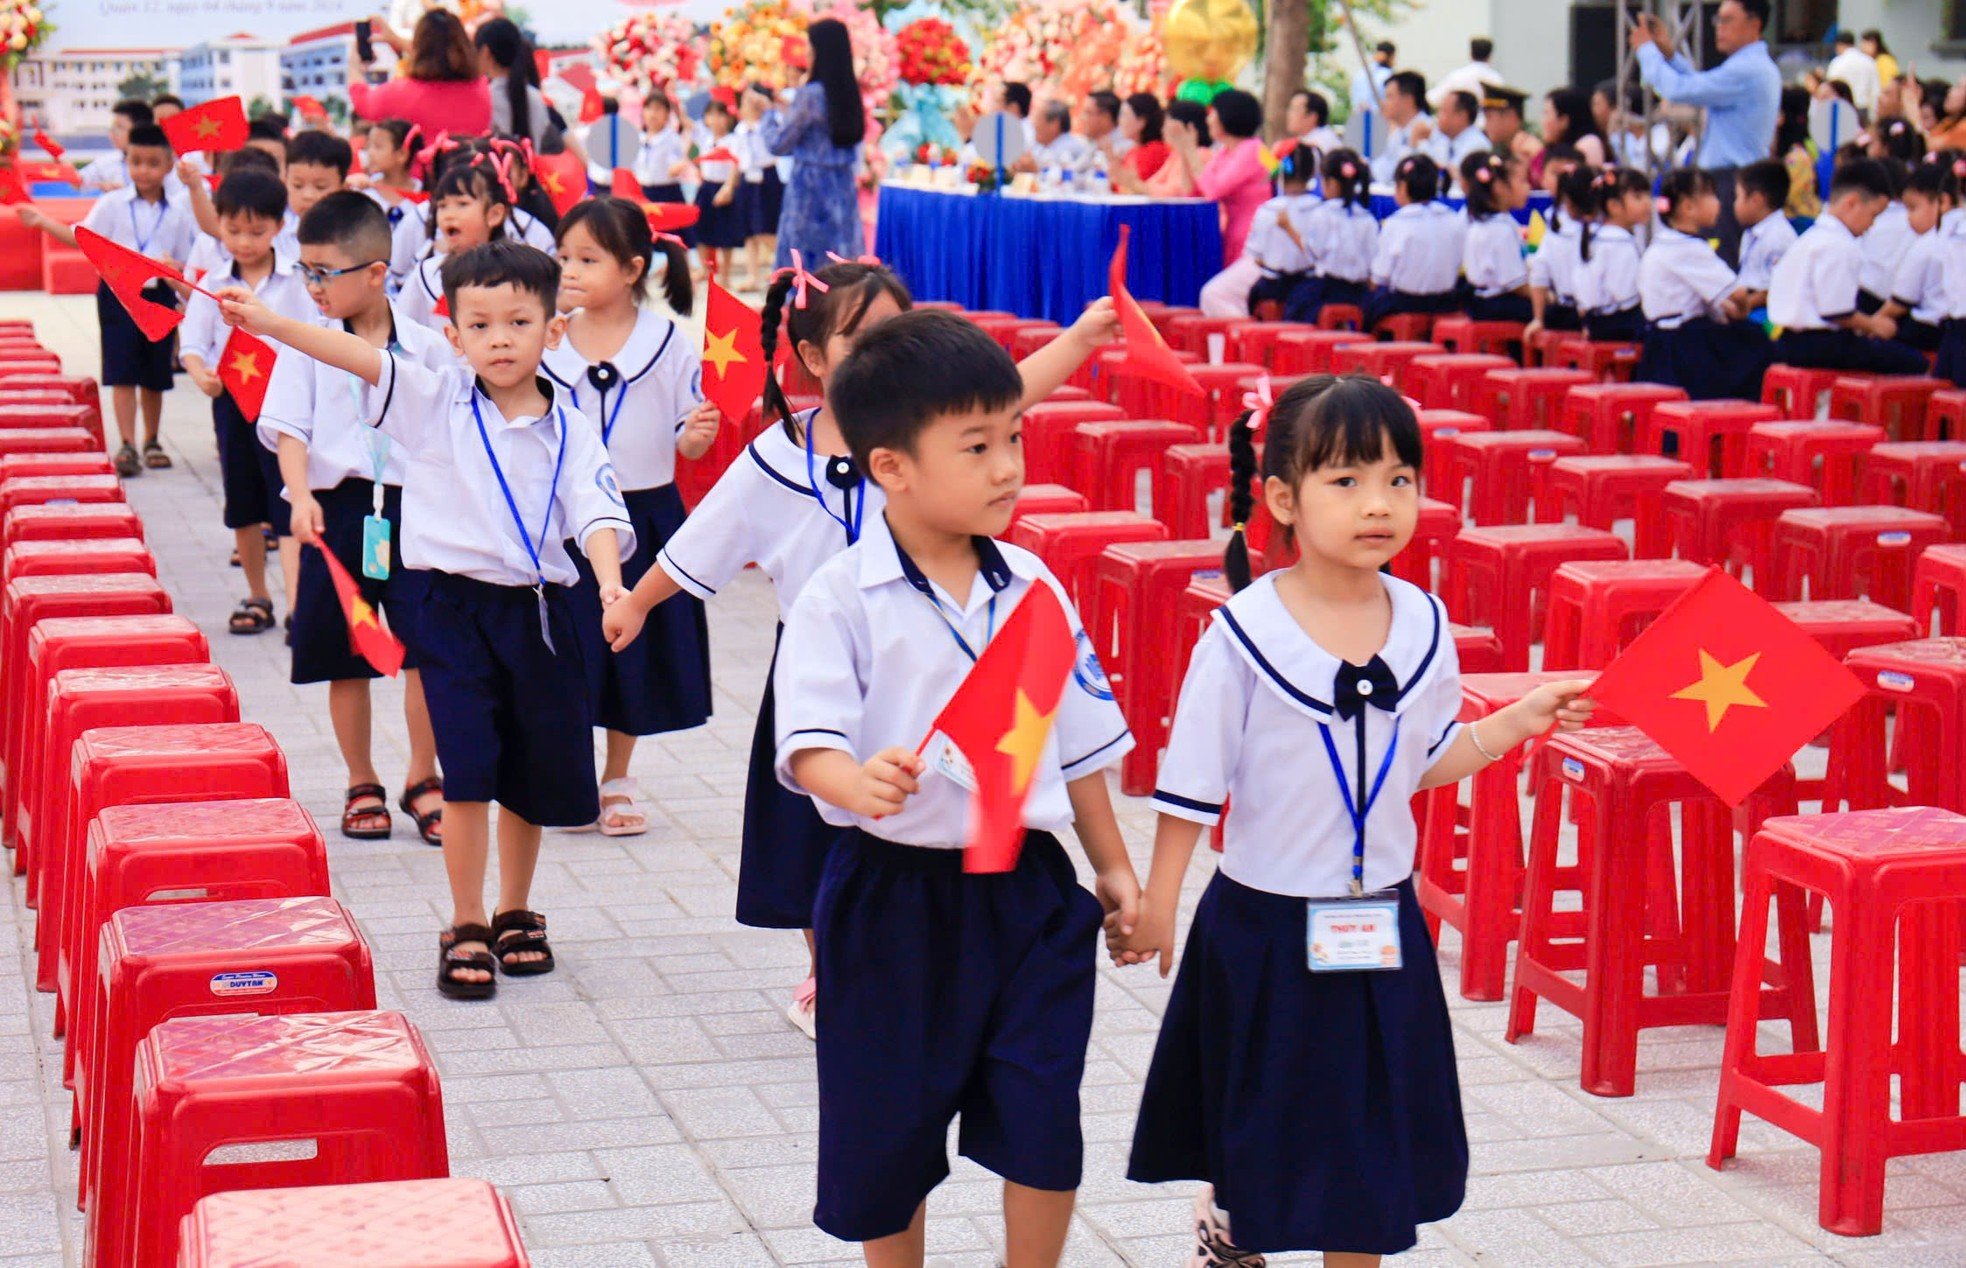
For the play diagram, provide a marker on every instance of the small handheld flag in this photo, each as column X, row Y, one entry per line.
column 366, row 634
column 564, row 178
column 1000, row 720
column 126, row 273
column 1728, row 685
column 733, row 353
column 48, row 144
column 219, row 124
column 626, row 186
column 244, row 367
column 1146, row 351
column 308, row 107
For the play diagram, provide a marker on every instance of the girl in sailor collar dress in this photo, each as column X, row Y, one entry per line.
column 1305, row 1067
column 635, row 374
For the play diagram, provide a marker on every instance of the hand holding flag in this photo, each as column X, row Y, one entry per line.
column 245, row 367
column 366, row 635
column 1146, row 351
column 216, row 125
column 733, row 353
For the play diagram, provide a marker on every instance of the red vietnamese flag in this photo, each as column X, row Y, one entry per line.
column 52, row 170
column 564, row 178
column 733, row 353
column 591, row 105
column 1146, row 351
column 49, row 144
column 126, row 273
column 1728, row 685
column 216, row 125
column 1000, row 719
column 244, row 367
column 626, row 186
column 669, row 217
column 308, row 107
column 366, row 634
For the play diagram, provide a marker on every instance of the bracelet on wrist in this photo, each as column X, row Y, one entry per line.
column 1475, row 736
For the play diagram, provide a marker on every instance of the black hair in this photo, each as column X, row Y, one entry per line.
column 1346, row 177
column 1481, row 173
column 1768, row 178
column 268, row 127
column 832, row 68
column 400, row 131
column 503, row 262
column 1574, row 105
column 1576, row 194
column 1480, row 48
column 1298, row 167
column 165, row 99
column 528, row 196
column 1865, row 176
column 1792, row 127
column 713, row 106
column 1756, row 9
column 508, row 46
column 1420, row 177
column 1611, row 184
column 621, row 229
column 1192, row 113
column 1315, row 104
column 248, row 158
column 1902, row 140
column 1561, row 152
column 1876, row 37
column 1937, row 178
column 1018, row 95
column 137, row 112
column 1466, row 102
column 1146, row 107
column 1634, row 97
column 838, row 310
column 1844, row 39
column 1319, row 421
column 882, row 400
column 320, row 149
column 1843, row 90
column 1241, row 115
column 148, row 136
column 474, row 178
column 251, row 193
column 612, row 105
column 350, row 220
column 1411, row 83
column 1680, row 185
column 1107, row 103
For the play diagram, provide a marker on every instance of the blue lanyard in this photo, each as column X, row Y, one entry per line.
column 511, row 503
column 156, row 222
column 609, row 416
column 854, row 512
column 989, row 631
column 1357, row 813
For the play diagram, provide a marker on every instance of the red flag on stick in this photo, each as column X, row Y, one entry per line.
column 1728, row 685
column 244, row 367
column 1146, row 351
column 564, row 178
column 216, row 125
column 51, row 170
column 49, row 144
column 126, row 273
column 733, row 353
column 366, row 634
column 309, row 107
column 1000, row 720
column 626, row 186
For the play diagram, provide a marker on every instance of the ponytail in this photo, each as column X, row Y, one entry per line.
column 768, row 324
column 677, row 289
column 1480, row 172
column 1242, row 501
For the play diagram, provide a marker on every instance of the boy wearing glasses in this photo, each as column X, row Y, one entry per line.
column 344, row 480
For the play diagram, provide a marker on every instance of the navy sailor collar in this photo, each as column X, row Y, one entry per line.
column 646, row 344
column 1304, row 675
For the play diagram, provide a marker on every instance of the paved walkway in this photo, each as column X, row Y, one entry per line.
column 648, row 1104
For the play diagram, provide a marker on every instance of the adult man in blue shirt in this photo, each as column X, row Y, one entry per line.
column 1742, row 95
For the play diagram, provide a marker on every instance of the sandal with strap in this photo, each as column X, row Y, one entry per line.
column 375, row 815
column 522, row 931
column 623, row 817
column 154, row 456
column 252, row 616
column 429, row 823
column 451, row 957
column 127, row 462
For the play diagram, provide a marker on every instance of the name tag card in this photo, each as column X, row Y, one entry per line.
column 1353, row 935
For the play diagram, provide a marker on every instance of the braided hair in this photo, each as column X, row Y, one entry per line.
column 852, row 287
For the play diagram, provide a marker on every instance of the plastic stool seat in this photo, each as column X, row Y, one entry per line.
column 1434, row 528
column 1438, row 426
column 1498, row 465
column 1046, row 499
column 1796, row 391
column 1466, row 335
column 1825, row 455
column 1070, row 544
column 1604, row 488
column 459, row 1224
column 1938, row 585
column 1924, row 680
column 1730, row 523
column 1447, row 380
column 1711, row 435
column 1924, row 475
column 1594, row 605
column 1187, row 474
column 1894, row 402
column 1387, row 361
column 1048, row 445
column 1519, row 399
column 1497, row 574
column 1611, row 417
column 1853, row 552
column 1303, row 351
column 1110, row 455
column 70, row 522
column 1604, row 360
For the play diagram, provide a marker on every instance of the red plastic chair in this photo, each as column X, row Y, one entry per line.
column 1046, row 499
column 1924, row 475
column 1070, row 544
column 1466, row 335
column 1183, row 481
column 23, row 414
column 1601, row 489
column 1436, row 527
column 70, row 521
column 1925, row 682
column 1938, row 585
column 1599, row 606
column 1897, row 403
column 1794, row 391
column 15, row 465
column 1302, row 351
column 1109, row 456
column 1895, row 879
column 1049, row 450
column 1498, row 465
column 1519, row 400
column 1825, row 455
column 1730, row 523
column 1386, row 361
column 1945, row 414
column 1605, row 361
column 1448, row 380
column 1498, row 575
column 1437, row 426
column 328, row 1226
column 1711, row 435
column 1611, row 417
column 1853, row 552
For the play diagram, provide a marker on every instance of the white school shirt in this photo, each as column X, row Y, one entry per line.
column 287, row 241
column 203, row 331
column 1952, row 228
column 870, row 656
column 160, row 230
column 1343, row 238
column 1270, row 246
column 1609, row 282
column 768, row 510
column 1491, row 255
column 1762, row 248
column 1883, row 246
column 660, row 152
column 716, row 171
column 207, row 255
column 655, row 380
column 422, row 292
column 1255, row 712
column 324, row 408
column 1558, row 264
column 1920, row 283
column 1681, row 278
column 455, row 516
column 1449, row 151
column 747, row 142
column 1420, row 249
column 1816, row 282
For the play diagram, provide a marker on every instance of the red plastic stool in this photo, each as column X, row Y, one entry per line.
column 1162, row 315
column 1191, row 331
column 43, row 489
column 1448, row 380
column 1519, row 400
column 1896, row 879
column 1945, row 414
column 1603, row 360
column 1405, row 327
column 1496, row 575
column 1938, row 584
column 1925, row 681
column 1794, row 391
column 1046, row 499
column 1711, row 435
column 1049, row 456
column 1730, row 523
column 1438, row 426
column 359, row 1084
column 1894, row 402
column 1598, row 606
column 102, row 554
column 1303, row 351
column 82, row 391
column 1341, row 317
column 1141, row 394
column 40, row 365
column 1476, row 649
column 1437, row 525
column 1928, row 475
column 1187, row 474
column 14, row 465
column 71, row 521
column 1639, row 910
column 464, row 1224
column 1844, row 625
column 1610, row 417
column 1256, row 341
column 1070, row 544
column 48, row 440
column 1602, row 489
column 1825, row 455
column 1498, row 465
column 273, row 956
column 1109, row 457
column 24, row 414
column 1134, row 586
column 1192, row 613
column 1070, row 393
column 1220, row 402
column 1541, row 347
column 1853, row 552
column 1384, row 361
column 998, row 325
column 1466, row 335
column 1027, row 337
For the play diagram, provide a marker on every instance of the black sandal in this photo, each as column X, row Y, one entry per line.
column 429, row 820
column 252, row 616
column 450, row 960
column 127, row 462
column 351, row 814
column 520, row 931
column 154, row 456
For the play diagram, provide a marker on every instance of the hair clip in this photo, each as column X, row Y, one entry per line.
column 410, row 138
column 1258, row 404
column 1664, row 205
column 1348, row 170
column 1959, row 168
column 434, row 151
column 1484, row 174
column 497, row 163
column 800, row 280
column 670, row 238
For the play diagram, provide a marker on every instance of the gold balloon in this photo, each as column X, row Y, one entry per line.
column 1209, row 39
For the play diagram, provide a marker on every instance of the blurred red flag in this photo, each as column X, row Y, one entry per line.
column 626, row 186
column 49, row 144
column 52, row 170
column 126, row 273
column 591, row 106
column 12, row 188
column 1000, row 719
column 308, row 107
column 244, row 367
column 564, row 178
column 1146, row 351
column 669, row 217
column 733, row 354
column 219, row 124
column 366, row 634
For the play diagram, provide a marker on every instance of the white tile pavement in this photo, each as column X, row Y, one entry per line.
column 648, row 1105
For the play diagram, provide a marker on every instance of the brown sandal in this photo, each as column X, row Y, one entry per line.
column 522, row 931
column 450, row 960
column 353, row 815
column 429, row 823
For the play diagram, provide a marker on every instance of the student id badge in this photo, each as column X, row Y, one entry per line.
column 1348, row 935
column 951, row 764
column 375, row 548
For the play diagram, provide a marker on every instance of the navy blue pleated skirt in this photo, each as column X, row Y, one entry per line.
column 1711, row 360
column 1627, row 325
column 1506, row 307
column 1952, row 352
column 1324, row 1108
column 1562, row 317
column 719, row 226
column 785, row 841
column 1308, row 298
column 661, row 681
column 767, row 199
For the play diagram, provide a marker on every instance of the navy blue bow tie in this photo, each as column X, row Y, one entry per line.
column 603, row 376
column 1359, row 685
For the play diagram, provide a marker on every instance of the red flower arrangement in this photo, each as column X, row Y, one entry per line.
column 929, row 152
column 932, row 53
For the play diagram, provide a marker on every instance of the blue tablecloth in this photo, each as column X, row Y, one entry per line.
column 1043, row 257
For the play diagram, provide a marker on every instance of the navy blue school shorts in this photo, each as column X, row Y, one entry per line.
column 944, row 995
column 320, row 634
column 1847, row 350
column 511, row 717
column 249, row 473
column 129, row 358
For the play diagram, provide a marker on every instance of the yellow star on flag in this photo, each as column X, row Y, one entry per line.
column 207, row 127
column 721, row 351
column 553, row 184
column 246, row 366
column 1722, row 687
column 1023, row 743
column 359, row 612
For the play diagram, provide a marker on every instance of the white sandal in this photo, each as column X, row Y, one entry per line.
column 624, row 818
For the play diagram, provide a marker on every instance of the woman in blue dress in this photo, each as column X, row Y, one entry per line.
column 822, row 132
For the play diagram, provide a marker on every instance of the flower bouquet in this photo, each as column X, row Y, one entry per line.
column 749, row 45
column 22, row 28
column 652, row 50
column 931, row 52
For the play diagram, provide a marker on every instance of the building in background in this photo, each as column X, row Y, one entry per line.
column 70, row 90
column 237, row 65
column 315, row 64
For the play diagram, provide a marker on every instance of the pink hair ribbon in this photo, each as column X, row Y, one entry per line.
column 1258, row 404
column 800, row 280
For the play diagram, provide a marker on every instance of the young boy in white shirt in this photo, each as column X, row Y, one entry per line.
column 1761, row 190
column 1813, row 294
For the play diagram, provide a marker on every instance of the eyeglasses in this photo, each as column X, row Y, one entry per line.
column 321, row 277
